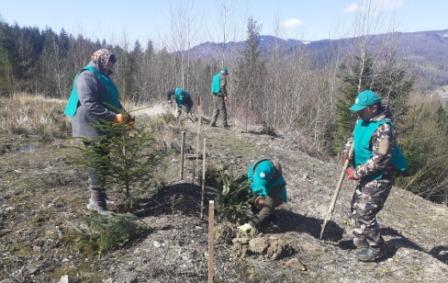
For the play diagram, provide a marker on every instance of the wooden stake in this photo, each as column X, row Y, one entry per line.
column 196, row 164
column 182, row 156
column 211, row 240
column 203, row 179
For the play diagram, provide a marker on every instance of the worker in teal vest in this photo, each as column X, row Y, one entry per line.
column 184, row 101
column 219, row 94
column 95, row 98
column 269, row 187
column 375, row 161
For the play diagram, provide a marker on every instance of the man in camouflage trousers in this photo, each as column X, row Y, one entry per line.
column 375, row 160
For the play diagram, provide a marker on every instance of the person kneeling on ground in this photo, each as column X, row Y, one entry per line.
column 267, row 183
column 183, row 100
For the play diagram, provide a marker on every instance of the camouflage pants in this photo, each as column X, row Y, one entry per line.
column 367, row 201
column 219, row 106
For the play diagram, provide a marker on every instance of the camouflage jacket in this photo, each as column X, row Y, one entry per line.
column 382, row 143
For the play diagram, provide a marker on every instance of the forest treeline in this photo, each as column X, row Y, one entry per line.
column 288, row 93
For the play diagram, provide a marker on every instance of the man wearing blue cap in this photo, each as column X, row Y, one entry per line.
column 267, row 183
column 219, row 92
column 375, row 161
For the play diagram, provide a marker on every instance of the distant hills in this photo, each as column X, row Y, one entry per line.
column 426, row 52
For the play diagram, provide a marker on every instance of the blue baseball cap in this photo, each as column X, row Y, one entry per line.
column 224, row 71
column 365, row 99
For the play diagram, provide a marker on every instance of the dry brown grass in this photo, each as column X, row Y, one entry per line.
column 33, row 115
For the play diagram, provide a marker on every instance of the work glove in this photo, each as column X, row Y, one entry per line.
column 247, row 228
column 351, row 174
column 124, row 118
column 170, row 102
column 225, row 98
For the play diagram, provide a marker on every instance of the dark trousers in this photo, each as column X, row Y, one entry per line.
column 97, row 151
column 219, row 106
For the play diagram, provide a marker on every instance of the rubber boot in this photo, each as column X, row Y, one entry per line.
column 360, row 243
column 98, row 201
column 370, row 254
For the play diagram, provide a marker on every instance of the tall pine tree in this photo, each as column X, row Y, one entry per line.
column 389, row 80
column 354, row 78
column 5, row 67
column 251, row 71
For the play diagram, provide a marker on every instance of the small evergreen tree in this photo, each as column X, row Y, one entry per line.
column 232, row 194
column 125, row 159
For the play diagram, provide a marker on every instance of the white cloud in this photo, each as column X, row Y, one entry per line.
column 291, row 23
column 353, row 8
column 375, row 5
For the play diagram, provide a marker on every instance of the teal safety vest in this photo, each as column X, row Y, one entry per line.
column 111, row 100
column 362, row 151
column 216, row 83
column 181, row 96
column 263, row 184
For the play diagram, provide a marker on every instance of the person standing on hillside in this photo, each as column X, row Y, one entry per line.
column 95, row 98
column 183, row 100
column 219, row 92
column 268, row 185
column 375, row 161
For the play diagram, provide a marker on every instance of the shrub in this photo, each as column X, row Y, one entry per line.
column 424, row 144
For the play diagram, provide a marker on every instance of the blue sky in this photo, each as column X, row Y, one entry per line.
column 166, row 22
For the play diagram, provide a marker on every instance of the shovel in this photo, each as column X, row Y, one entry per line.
column 336, row 192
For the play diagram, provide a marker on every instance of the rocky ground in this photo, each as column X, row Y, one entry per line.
column 42, row 191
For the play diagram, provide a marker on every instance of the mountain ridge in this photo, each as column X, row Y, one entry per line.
column 425, row 52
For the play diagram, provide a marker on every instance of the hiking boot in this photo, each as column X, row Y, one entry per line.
column 213, row 125
column 226, row 126
column 369, row 254
column 97, row 201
